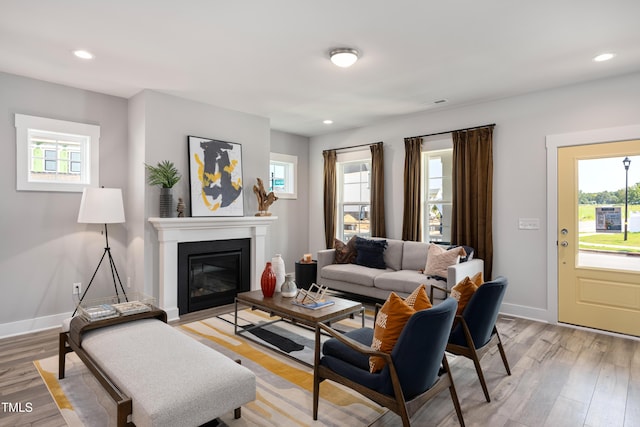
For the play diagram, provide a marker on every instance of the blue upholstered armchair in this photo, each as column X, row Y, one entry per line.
column 416, row 369
column 475, row 332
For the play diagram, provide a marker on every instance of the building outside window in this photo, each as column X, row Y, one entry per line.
column 437, row 195
column 354, row 198
column 283, row 175
column 55, row 155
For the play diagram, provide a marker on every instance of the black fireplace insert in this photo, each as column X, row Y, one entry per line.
column 211, row 273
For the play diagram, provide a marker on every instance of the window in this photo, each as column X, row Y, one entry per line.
column 283, row 174
column 437, row 195
column 354, row 195
column 55, row 155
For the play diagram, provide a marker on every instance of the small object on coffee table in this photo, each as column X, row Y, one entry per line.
column 131, row 307
column 99, row 312
column 315, row 294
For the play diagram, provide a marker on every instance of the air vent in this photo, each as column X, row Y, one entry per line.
column 440, row 101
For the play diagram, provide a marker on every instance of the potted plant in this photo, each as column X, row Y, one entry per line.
column 165, row 175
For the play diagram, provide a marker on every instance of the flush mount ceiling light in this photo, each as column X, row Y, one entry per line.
column 328, row 122
column 83, row 54
column 604, row 57
column 344, row 57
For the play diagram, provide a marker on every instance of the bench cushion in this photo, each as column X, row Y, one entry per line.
column 171, row 378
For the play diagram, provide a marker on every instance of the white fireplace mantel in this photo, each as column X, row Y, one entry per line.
column 172, row 231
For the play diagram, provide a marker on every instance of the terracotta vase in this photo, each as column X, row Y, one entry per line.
column 268, row 281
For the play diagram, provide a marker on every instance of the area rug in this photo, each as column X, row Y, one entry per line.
column 284, row 386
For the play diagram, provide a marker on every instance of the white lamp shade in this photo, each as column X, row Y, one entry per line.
column 101, row 206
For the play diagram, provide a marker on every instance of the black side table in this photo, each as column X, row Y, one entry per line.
column 306, row 274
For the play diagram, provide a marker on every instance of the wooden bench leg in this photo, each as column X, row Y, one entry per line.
column 63, row 349
column 237, row 413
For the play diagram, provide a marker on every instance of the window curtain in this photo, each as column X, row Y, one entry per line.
column 329, row 197
column 411, row 226
column 472, row 180
column 378, row 228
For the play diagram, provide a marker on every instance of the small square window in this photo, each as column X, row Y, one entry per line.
column 283, row 175
column 55, row 155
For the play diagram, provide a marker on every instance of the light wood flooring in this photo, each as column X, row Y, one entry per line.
column 561, row 376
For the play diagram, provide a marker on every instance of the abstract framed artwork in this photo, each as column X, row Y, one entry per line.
column 215, row 177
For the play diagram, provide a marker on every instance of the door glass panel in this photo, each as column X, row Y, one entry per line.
column 609, row 193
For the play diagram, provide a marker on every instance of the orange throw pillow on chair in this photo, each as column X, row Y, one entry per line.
column 419, row 300
column 390, row 322
column 464, row 290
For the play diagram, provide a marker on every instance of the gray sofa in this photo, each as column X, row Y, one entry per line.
column 403, row 259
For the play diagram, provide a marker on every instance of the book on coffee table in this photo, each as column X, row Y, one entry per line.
column 313, row 305
column 99, row 312
column 131, row 307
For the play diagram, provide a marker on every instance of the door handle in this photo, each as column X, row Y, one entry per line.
column 564, row 243
column 564, row 231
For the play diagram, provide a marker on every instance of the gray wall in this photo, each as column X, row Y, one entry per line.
column 520, row 170
column 43, row 249
column 291, row 231
column 168, row 122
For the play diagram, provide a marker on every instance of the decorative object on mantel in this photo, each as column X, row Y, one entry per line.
column 264, row 200
column 165, row 175
column 180, row 208
column 268, row 281
column 278, row 267
column 289, row 288
column 215, row 177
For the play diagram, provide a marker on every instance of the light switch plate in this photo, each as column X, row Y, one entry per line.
column 529, row 223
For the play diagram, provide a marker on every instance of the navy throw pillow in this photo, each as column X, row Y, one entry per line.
column 370, row 252
column 468, row 249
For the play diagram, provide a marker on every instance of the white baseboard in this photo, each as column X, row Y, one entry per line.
column 32, row 325
column 526, row 312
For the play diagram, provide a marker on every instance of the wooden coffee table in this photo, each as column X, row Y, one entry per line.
column 282, row 307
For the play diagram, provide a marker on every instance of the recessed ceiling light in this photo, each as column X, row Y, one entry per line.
column 604, row 57
column 328, row 122
column 83, row 54
column 344, row 57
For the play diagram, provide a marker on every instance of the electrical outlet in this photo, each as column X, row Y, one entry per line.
column 77, row 288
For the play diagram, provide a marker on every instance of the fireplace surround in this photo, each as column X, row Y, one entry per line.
column 172, row 231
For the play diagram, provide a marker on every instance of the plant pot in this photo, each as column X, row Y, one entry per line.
column 166, row 202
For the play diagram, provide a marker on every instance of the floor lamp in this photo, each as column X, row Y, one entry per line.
column 102, row 206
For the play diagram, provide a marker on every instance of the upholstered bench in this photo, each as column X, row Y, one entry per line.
column 159, row 375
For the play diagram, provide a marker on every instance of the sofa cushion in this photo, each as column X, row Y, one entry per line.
column 390, row 322
column 351, row 273
column 414, row 255
column 370, row 252
column 393, row 253
column 439, row 259
column 345, row 252
column 403, row 281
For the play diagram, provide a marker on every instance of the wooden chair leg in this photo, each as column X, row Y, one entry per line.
column 483, row 383
column 454, row 394
column 502, row 353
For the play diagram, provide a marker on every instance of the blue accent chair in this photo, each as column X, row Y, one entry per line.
column 474, row 331
column 416, row 368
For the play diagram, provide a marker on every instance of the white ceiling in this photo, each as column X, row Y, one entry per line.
column 270, row 58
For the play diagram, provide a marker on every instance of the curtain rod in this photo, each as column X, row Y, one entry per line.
column 451, row 131
column 352, row 146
